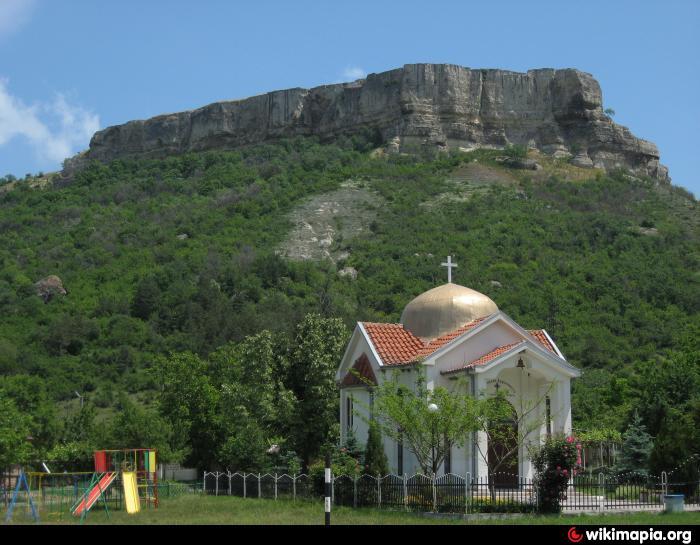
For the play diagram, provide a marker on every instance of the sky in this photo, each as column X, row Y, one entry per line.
column 71, row 67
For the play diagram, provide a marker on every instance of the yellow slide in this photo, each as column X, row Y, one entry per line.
column 131, row 493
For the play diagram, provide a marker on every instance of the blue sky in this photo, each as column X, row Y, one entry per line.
column 70, row 67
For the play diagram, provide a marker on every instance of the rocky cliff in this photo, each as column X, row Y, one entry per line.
column 445, row 106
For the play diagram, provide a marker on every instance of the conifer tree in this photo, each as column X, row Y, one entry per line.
column 637, row 445
column 351, row 445
column 375, row 458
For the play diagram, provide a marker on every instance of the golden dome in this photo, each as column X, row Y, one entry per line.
column 444, row 309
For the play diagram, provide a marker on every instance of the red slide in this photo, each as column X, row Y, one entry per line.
column 95, row 492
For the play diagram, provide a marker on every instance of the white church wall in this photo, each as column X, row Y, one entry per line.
column 406, row 376
column 461, row 458
column 361, row 405
column 358, row 347
column 410, row 463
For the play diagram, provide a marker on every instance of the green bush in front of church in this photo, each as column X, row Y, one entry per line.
column 375, row 458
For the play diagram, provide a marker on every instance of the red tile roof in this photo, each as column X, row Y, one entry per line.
column 396, row 345
column 541, row 338
column 438, row 343
column 489, row 356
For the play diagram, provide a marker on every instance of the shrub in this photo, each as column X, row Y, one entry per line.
column 554, row 463
column 375, row 458
column 342, row 463
column 515, row 151
column 487, row 505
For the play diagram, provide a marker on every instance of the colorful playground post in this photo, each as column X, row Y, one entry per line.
column 21, row 483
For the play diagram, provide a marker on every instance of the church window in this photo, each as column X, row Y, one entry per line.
column 548, row 416
column 348, row 413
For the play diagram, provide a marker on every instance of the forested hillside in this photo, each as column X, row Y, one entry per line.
column 175, row 291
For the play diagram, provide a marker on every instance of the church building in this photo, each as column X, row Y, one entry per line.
column 448, row 332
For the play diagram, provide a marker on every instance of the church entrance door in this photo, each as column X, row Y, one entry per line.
column 503, row 453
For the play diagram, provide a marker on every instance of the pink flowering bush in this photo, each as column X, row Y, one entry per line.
column 555, row 463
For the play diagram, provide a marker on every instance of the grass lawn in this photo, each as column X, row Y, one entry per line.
column 196, row 509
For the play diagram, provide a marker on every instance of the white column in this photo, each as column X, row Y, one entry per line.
column 561, row 411
column 479, row 447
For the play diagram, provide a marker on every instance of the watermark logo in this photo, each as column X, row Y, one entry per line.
column 638, row 536
column 573, row 535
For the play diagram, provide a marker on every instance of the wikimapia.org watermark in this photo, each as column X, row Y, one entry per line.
column 639, row 536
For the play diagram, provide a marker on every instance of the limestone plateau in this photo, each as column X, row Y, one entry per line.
column 443, row 106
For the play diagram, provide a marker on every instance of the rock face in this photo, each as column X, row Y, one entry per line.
column 48, row 287
column 324, row 224
column 445, row 106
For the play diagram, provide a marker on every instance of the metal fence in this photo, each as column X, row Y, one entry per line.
column 456, row 493
column 257, row 485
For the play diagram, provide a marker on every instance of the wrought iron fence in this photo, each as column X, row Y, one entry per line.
column 499, row 493
column 257, row 485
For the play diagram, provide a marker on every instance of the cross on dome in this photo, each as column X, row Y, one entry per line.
column 449, row 266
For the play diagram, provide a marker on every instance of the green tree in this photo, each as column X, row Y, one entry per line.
column 31, row 398
column 316, row 350
column 252, row 374
column 351, row 445
column 636, row 448
column 15, row 439
column 79, row 439
column 146, row 298
column 256, row 406
column 677, row 442
column 190, row 402
column 136, row 427
column 245, row 448
column 428, row 422
column 375, row 458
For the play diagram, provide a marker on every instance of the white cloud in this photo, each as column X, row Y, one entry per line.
column 56, row 130
column 13, row 14
column 353, row 73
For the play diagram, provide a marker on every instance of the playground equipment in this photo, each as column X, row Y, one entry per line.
column 136, row 468
column 94, row 493
column 21, row 483
column 123, row 479
column 131, row 493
